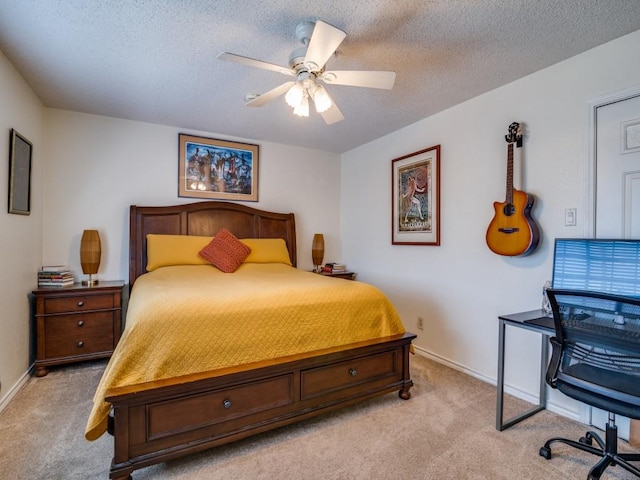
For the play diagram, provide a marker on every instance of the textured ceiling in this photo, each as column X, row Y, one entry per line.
column 155, row 60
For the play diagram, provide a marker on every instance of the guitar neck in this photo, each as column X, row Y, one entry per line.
column 509, row 199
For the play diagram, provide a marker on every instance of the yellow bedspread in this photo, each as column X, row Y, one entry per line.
column 190, row 319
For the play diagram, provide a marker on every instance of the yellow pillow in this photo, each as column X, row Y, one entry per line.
column 164, row 250
column 267, row 250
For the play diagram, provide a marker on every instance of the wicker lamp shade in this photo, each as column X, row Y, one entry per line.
column 317, row 250
column 90, row 252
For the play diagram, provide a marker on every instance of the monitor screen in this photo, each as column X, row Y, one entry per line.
column 597, row 265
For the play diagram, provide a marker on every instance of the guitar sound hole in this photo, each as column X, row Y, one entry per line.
column 509, row 209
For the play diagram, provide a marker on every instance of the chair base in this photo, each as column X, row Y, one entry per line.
column 608, row 450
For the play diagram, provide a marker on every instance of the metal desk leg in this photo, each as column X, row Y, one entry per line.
column 500, row 385
column 544, row 359
column 542, row 400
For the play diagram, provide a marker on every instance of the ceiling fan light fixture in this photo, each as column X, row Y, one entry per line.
column 302, row 109
column 321, row 99
column 295, row 95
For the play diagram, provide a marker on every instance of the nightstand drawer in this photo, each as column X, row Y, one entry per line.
column 77, row 303
column 359, row 372
column 78, row 345
column 78, row 325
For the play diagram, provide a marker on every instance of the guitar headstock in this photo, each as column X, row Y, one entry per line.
column 515, row 134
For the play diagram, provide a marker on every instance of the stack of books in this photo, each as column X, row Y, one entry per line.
column 55, row 276
column 334, row 268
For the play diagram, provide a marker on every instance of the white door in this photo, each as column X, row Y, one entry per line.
column 617, row 189
column 618, row 169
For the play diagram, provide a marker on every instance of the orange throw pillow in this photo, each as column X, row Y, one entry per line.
column 225, row 251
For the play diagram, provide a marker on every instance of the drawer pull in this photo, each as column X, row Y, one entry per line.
column 80, row 303
column 81, row 323
column 226, row 404
column 353, row 372
column 80, row 344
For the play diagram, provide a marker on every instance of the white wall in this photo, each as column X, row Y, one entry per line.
column 97, row 166
column 20, row 235
column 461, row 287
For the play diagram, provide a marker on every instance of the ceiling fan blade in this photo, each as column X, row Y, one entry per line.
column 261, row 100
column 354, row 78
column 333, row 115
column 324, row 42
column 252, row 62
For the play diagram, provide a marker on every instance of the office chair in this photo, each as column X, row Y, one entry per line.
column 596, row 359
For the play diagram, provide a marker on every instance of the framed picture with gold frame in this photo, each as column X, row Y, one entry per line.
column 415, row 198
column 217, row 169
column 20, row 151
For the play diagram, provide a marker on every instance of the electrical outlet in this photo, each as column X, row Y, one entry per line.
column 420, row 323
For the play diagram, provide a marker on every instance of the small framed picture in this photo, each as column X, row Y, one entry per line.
column 217, row 169
column 19, row 174
column 415, row 198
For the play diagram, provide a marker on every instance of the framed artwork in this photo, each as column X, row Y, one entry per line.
column 415, row 198
column 217, row 169
column 19, row 174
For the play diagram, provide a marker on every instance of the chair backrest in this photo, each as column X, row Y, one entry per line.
column 596, row 349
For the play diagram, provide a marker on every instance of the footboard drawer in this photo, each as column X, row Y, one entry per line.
column 361, row 371
column 217, row 409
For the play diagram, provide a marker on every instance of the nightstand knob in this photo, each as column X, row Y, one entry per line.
column 226, row 404
column 353, row 372
column 80, row 303
column 80, row 344
column 81, row 323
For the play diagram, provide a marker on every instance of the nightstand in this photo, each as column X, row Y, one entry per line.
column 345, row 275
column 76, row 323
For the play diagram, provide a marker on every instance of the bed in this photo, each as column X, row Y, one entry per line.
column 183, row 403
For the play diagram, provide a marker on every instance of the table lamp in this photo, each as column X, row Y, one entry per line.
column 90, row 250
column 317, row 251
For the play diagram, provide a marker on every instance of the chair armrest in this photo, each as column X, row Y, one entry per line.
column 554, row 364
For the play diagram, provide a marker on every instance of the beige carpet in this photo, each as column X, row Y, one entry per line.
column 445, row 431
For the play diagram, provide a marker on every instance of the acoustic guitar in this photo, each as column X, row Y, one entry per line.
column 513, row 232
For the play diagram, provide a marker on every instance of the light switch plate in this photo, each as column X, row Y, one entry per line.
column 570, row 217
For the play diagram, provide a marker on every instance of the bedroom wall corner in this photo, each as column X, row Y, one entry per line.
column 21, row 239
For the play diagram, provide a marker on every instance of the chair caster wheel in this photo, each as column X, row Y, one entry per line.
column 545, row 452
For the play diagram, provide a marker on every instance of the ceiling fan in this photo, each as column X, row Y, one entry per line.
column 307, row 64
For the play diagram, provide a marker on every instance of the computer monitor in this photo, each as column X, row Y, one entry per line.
column 597, row 265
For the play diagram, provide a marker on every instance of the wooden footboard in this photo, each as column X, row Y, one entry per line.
column 167, row 419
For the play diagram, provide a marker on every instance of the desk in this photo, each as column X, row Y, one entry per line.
column 535, row 321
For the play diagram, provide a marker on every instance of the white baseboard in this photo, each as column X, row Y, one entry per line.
column 521, row 394
column 4, row 401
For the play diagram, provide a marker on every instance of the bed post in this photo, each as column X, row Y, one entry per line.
column 119, row 429
column 407, row 383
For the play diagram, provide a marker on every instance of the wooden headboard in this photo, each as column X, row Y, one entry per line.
column 204, row 218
